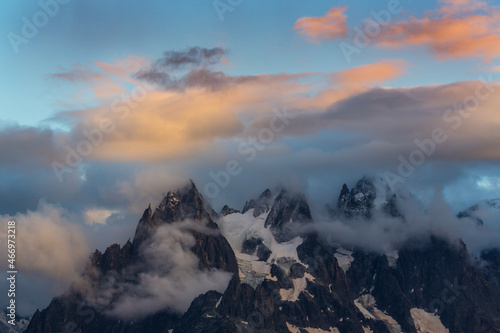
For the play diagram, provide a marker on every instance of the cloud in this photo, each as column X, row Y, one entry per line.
column 393, row 118
column 171, row 280
column 189, row 68
column 169, row 134
column 194, row 56
column 98, row 215
column 384, row 233
column 458, row 29
column 180, row 122
column 371, row 74
column 48, row 244
column 29, row 148
column 332, row 25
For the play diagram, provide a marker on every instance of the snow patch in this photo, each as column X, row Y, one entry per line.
column 218, row 302
column 392, row 258
column 367, row 306
column 291, row 295
column 344, row 258
column 359, row 196
column 299, row 285
column 238, row 227
column 427, row 322
column 296, row 329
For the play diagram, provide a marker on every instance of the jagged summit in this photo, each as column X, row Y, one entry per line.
column 226, row 210
column 284, row 209
column 260, row 205
column 287, row 210
column 359, row 200
column 484, row 212
column 369, row 194
column 185, row 203
column 180, row 204
column 281, row 280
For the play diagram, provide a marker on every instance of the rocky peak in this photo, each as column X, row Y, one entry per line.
column 344, row 197
column 180, row 204
column 261, row 205
column 368, row 194
column 484, row 212
column 287, row 209
column 358, row 201
column 114, row 258
column 226, row 210
column 185, row 203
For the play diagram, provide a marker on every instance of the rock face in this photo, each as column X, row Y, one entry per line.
column 358, row 201
column 437, row 277
column 71, row 311
column 491, row 258
column 287, row 209
column 286, row 281
column 226, row 211
column 255, row 246
column 261, row 205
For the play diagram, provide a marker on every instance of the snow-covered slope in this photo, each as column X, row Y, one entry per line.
column 238, row 228
column 5, row 327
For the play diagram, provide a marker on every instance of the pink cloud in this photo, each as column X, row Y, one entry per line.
column 458, row 29
column 332, row 25
column 371, row 74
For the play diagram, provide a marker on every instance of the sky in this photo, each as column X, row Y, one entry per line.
column 106, row 106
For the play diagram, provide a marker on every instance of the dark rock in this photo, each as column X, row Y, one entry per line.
column 470, row 213
column 226, row 211
column 288, row 211
column 297, row 271
column 261, row 205
column 358, row 201
column 250, row 245
column 391, row 207
column 491, row 262
column 263, row 252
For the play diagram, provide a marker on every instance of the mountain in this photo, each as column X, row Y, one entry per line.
column 486, row 214
column 488, row 210
column 366, row 197
column 267, row 270
column 5, row 327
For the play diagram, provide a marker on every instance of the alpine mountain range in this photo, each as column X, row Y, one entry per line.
column 276, row 267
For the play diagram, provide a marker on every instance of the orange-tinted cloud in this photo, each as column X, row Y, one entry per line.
column 456, row 30
column 371, row 74
column 182, row 123
column 332, row 25
column 161, row 124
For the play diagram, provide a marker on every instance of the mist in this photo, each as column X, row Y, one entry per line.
column 168, row 279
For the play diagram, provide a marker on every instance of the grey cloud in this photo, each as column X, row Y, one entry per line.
column 383, row 233
column 171, row 281
column 194, row 56
column 28, row 148
column 196, row 61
